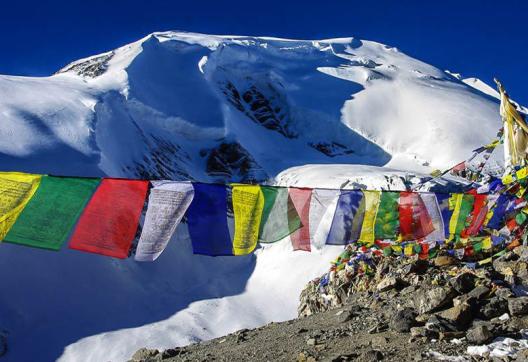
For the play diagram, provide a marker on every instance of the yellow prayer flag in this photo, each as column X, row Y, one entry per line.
column 397, row 249
column 455, row 203
column 522, row 173
column 16, row 189
column 248, row 204
column 409, row 250
column 485, row 261
column 515, row 131
column 507, row 179
column 372, row 201
column 486, row 243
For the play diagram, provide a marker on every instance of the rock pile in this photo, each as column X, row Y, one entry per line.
column 442, row 298
column 372, row 307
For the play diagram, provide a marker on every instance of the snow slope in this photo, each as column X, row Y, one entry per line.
column 212, row 108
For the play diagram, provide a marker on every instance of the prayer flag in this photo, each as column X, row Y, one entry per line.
column 248, row 203
column 477, row 216
column 322, row 209
column 372, row 200
column 415, row 221
column 279, row 217
column 348, row 218
column 167, row 203
column 207, row 220
column 110, row 220
column 443, row 203
column 301, row 200
column 16, row 189
column 52, row 212
column 461, row 204
column 499, row 211
column 388, row 218
column 433, row 209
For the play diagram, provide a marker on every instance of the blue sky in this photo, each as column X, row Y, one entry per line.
column 475, row 38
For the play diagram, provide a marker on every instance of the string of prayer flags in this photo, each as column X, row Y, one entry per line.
column 52, row 212
column 207, row 220
column 248, row 203
column 16, row 189
column 279, row 216
column 301, row 198
column 109, row 222
column 40, row 211
column 348, row 218
column 167, row 203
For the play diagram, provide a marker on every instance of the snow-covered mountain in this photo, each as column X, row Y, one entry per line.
column 182, row 105
column 230, row 108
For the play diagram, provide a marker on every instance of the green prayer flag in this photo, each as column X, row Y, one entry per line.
column 50, row 215
column 465, row 211
column 388, row 217
column 279, row 216
column 520, row 218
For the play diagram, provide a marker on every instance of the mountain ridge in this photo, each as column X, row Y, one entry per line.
column 340, row 100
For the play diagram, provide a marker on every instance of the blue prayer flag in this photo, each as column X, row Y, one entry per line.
column 207, row 220
column 348, row 218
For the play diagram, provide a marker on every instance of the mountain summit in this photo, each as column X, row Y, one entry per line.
column 181, row 105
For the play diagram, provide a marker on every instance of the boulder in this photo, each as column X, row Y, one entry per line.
column 370, row 356
column 463, row 283
column 345, row 315
column 418, row 331
column 479, row 335
column 518, row 306
column 504, row 293
column 494, row 308
column 447, row 336
column 387, row 283
column 438, row 324
column 444, row 260
column 430, row 300
column 403, row 320
column 472, row 298
column 479, row 292
column 460, row 315
column 144, row 354
column 522, row 252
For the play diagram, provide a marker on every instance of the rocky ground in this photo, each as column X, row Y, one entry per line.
column 397, row 309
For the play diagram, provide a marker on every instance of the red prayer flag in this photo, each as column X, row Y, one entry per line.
column 460, row 167
column 406, row 215
column 424, row 223
column 109, row 222
column 415, row 221
column 478, row 215
column 301, row 201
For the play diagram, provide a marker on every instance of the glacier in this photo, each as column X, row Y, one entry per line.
column 187, row 106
